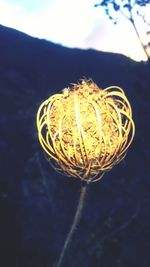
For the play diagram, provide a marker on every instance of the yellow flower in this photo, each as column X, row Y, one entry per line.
column 85, row 130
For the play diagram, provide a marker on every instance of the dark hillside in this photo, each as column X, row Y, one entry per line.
column 36, row 204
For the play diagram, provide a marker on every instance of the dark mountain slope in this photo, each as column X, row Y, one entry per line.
column 59, row 63
column 37, row 205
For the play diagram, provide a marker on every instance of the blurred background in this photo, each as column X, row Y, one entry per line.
column 44, row 47
column 80, row 24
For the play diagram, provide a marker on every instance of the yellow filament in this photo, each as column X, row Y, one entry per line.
column 85, row 131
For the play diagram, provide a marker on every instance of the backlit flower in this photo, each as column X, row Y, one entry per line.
column 85, row 130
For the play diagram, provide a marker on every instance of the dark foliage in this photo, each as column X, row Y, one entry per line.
column 126, row 8
column 36, row 204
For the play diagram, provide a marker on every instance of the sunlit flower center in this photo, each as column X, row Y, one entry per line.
column 86, row 130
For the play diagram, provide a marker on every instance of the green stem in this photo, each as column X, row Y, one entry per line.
column 74, row 224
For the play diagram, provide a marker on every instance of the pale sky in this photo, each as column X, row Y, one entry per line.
column 73, row 23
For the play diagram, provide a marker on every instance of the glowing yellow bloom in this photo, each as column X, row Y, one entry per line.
column 85, row 130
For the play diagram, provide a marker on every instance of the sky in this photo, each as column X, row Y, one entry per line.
column 75, row 24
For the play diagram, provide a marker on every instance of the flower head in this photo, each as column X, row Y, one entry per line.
column 85, row 130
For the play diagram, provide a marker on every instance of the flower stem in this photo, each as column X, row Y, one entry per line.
column 74, row 224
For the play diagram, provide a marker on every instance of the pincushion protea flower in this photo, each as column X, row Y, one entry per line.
column 85, row 130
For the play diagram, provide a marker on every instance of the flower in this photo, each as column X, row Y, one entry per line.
column 85, row 130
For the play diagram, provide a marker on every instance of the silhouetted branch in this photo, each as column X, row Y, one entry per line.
column 126, row 8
